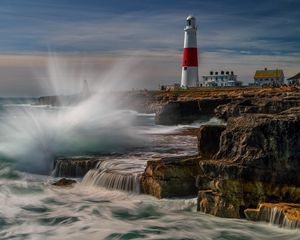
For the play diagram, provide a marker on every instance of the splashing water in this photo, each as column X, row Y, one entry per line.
column 120, row 174
column 31, row 136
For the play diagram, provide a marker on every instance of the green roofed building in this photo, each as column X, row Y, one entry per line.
column 268, row 77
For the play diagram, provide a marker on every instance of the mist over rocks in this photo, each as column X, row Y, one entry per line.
column 140, row 101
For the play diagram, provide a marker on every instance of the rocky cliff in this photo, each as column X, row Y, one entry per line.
column 253, row 159
column 258, row 103
column 184, row 108
column 257, row 161
column 185, row 112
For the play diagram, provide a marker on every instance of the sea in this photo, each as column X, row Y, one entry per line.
column 95, row 207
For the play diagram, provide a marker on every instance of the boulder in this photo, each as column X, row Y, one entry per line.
column 171, row 177
column 64, row 182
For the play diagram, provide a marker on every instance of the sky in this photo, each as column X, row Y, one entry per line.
column 98, row 35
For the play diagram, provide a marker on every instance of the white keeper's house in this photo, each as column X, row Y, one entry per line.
column 221, row 79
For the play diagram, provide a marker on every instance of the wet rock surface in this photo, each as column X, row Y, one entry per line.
column 170, row 177
column 64, row 182
column 286, row 215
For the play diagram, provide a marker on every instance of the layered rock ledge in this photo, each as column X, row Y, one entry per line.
column 193, row 106
column 170, row 177
column 258, row 103
column 257, row 161
column 254, row 158
column 286, row 215
column 74, row 166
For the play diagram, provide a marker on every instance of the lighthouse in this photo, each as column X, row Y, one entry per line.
column 189, row 76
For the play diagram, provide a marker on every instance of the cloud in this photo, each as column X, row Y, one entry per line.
column 268, row 28
column 230, row 36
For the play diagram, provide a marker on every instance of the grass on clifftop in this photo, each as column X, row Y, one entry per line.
column 195, row 93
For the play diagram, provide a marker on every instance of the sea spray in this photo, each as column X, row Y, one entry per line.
column 32, row 136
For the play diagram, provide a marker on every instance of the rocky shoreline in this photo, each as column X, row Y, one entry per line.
column 253, row 159
column 248, row 165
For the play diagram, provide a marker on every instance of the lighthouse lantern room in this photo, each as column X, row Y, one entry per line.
column 189, row 76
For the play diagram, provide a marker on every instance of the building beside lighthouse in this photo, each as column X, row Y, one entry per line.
column 221, row 79
column 269, row 77
column 189, row 76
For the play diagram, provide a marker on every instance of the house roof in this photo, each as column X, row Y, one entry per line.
column 296, row 77
column 269, row 73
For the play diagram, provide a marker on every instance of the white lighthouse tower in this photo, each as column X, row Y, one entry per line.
column 189, row 76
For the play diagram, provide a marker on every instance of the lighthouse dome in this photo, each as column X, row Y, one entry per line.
column 190, row 23
column 190, row 17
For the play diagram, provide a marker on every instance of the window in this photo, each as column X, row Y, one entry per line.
column 189, row 22
column 185, row 68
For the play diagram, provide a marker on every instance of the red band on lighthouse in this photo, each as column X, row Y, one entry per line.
column 189, row 72
column 190, row 57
